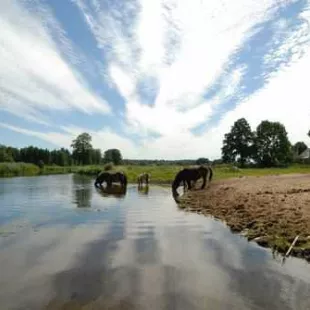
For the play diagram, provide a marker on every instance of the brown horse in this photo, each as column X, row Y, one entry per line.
column 143, row 177
column 187, row 175
column 110, row 177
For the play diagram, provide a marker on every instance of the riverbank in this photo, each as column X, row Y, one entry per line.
column 271, row 210
column 160, row 174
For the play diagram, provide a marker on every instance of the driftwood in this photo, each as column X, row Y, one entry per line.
column 292, row 245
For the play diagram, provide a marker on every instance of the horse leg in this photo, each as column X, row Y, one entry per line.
column 189, row 185
column 109, row 183
column 204, row 181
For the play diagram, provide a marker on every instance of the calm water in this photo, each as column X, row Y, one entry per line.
column 64, row 245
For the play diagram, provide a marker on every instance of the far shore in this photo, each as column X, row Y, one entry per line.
column 160, row 174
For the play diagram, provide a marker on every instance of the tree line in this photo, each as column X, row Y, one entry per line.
column 267, row 146
column 82, row 153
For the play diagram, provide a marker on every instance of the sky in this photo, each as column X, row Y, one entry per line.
column 162, row 79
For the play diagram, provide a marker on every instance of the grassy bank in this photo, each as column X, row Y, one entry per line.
column 224, row 172
column 18, row 169
column 159, row 174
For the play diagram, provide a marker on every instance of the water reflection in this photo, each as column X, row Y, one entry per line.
column 116, row 191
column 138, row 252
column 82, row 191
column 143, row 190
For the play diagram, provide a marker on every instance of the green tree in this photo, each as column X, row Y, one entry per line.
column 113, row 155
column 81, row 148
column 238, row 143
column 96, row 156
column 202, row 160
column 5, row 155
column 272, row 145
column 299, row 147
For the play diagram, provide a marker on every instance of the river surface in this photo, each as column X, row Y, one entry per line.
column 65, row 245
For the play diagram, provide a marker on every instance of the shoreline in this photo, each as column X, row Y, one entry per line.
column 270, row 210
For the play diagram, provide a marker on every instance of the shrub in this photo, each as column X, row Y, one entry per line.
column 108, row 166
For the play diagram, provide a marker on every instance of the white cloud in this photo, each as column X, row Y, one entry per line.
column 102, row 139
column 56, row 138
column 34, row 74
column 284, row 99
column 122, row 80
column 179, row 48
column 204, row 35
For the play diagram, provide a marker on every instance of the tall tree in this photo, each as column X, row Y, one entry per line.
column 272, row 144
column 113, row 155
column 81, row 148
column 238, row 143
column 299, row 147
column 96, row 156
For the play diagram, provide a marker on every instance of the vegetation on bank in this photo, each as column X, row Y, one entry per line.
column 159, row 174
column 18, row 169
column 256, row 152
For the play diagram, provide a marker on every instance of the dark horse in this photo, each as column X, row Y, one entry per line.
column 110, row 177
column 187, row 175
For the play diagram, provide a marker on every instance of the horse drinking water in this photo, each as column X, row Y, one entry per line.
column 143, row 177
column 110, row 177
column 187, row 175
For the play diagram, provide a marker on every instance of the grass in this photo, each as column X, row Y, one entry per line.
column 224, row 172
column 159, row 174
column 18, row 169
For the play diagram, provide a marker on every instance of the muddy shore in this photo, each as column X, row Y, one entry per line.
column 271, row 210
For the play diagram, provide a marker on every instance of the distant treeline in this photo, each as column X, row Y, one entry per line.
column 35, row 155
column 63, row 157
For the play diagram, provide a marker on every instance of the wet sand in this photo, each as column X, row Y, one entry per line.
column 272, row 210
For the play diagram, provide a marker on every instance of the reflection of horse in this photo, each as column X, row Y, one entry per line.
column 114, row 191
column 143, row 190
column 143, row 177
column 110, row 177
column 187, row 175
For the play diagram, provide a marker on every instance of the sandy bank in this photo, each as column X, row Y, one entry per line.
column 272, row 210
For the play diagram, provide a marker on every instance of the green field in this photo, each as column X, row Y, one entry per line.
column 159, row 173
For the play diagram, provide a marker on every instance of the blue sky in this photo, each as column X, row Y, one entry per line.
column 156, row 79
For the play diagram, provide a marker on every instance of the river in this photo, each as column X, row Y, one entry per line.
column 65, row 245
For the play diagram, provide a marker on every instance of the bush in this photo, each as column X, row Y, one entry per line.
column 108, row 166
